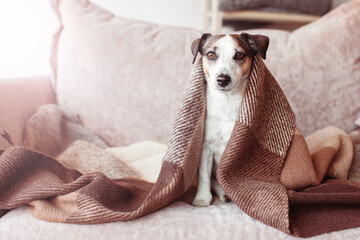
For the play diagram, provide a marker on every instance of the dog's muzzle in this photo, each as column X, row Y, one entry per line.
column 223, row 80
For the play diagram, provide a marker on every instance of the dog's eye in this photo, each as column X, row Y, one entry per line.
column 239, row 56
column 210, row 55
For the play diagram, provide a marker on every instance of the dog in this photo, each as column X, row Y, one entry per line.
column 227, row 63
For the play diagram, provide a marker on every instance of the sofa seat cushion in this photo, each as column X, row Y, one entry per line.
column 177, row 221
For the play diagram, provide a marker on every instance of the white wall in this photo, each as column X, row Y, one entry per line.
column 27, row 26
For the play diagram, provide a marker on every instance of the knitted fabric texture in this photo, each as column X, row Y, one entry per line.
column 268, row 169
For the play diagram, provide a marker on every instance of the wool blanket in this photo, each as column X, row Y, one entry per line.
column 267, row 169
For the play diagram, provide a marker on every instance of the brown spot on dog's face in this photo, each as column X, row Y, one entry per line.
column 242, row 43
column 209, row 46
column 249, row 53
column 246, row 65
column 211, row 42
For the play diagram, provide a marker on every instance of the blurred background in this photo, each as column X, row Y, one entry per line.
column 27, row 26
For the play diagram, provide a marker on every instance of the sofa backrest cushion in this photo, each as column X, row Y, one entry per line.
column 318, row 67
column 125, row 77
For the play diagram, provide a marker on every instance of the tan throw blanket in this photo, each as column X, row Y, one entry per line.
column 267, row 169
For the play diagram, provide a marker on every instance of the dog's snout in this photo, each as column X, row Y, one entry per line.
column 223, row 80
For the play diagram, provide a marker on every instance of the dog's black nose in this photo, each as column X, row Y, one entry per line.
column 223, row 80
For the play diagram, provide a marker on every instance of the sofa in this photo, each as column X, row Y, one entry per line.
column 123, row 79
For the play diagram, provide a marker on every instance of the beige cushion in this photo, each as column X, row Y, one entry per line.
column 318, row 67
column 123, row 77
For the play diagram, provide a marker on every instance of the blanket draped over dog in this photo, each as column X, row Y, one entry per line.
column 267, row 169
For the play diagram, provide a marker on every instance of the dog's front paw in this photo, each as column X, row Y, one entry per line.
column 224, row 197
column 203, row 200
column 220, row 192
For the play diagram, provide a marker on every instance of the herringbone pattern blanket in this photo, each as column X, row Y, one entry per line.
column 268, row 169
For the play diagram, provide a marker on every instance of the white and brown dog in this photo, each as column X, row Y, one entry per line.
column 227, row 62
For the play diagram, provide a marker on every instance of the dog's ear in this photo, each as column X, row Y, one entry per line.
column 197, row 45
column 259, row 43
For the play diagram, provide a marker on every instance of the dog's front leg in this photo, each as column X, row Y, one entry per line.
column 203, row 195
column 218, row 190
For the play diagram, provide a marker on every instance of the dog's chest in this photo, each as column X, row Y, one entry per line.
column 221, row 114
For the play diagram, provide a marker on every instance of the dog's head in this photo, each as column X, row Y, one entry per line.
column 227, row 59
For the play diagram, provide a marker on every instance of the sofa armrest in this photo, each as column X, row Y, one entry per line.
column 19, row 99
